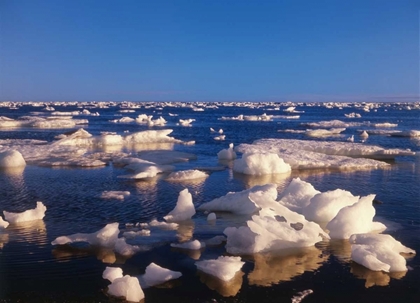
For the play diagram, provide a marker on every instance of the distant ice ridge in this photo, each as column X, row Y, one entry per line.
column 223, row 267
column 322, row 154
column 123, row 286
column 38, row 213
column 11, row 158
column 38, row 122
column 263, row 117
column 324, row 132
column 379, row 252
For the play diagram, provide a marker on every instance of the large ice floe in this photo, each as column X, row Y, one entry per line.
column 305, row 154
column 38, row 122
column 37, row 213
column 379, row 252
column 186, row 175
column 126, row 286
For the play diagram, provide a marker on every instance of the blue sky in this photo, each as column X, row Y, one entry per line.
column 209, row 50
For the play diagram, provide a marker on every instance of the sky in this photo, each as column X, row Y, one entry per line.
column 213, row 50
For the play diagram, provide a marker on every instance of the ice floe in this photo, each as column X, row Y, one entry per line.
column 155, row 275
column 297, row 195
column 379, row 252
column 119, row 195
column 324, row 132
column 223, row 267
column 123, row 286
column 184, row 208
column 3, row 224
column 190, row 245
column 227, row 154
column 260, row 164
column 355, row 218
column 186, row 175
column 38, row 213
column 11, row 158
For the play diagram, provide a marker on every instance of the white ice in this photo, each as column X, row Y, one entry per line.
column 186, row 175
column 105, row 237
column 379, row 252
column 211, row 217
column 112, row 273
column 125, row 249
column 119, row 195
column 356, row 218
column 155, row 275
column 191, row 245
column 11, row 158
column 297, row 195
column 164, row 225
column 186, row 122
column 3, row 224
column 324, row 132
column 224, row 267
column 241, row 202
column 261, row 164
column 184, row 208
column 323, row 207
column 227, row 154
column 127, row 287
column 28, row 215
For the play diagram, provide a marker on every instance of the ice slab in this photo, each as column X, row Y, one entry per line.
column 156, row 275
column 261, row 164
column 241, row 202
column 127, row 287
column 28, row 215
column 114, row 194
column 223, row 267
column 379, row 252
column 186, row 175
column 297, row 195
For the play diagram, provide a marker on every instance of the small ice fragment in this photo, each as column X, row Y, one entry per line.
column 223, row 267
column 11, row 158
column 211, row 217
column 156, row 275
column 184, row 208
column 192, row 245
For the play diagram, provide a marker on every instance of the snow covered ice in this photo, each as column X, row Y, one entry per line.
column 123, row 286
column 223, row 267
column 184, row 208
column 28, row 215
column 260, row 164
column 11, row 158
column 155, row 275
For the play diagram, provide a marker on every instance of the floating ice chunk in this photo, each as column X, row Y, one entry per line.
column 127, row 287
column 156, row 275
column 133, row 234
column 220, row 131
column 353, row 219
column 112, row 273
column 184, row 208
column 3, row 224
column 211, row 217
column 364, row 134
column 325, row 206
column 105, row 237
column 227, row 154
column 297, row 195
column 223, row 267
column 186, row 122
column 410, row 133
column 125, row 249
column 301, row 295
column 164, row 225
column 220, row 138
column 186, row 175
column 120, row 195
column 28, row 215
column 379, row 252
column 385, row 124
column 241, row 202
column 11, row 158
column 191, row 245
column 123, row 120
column 215, row 241
column 260, row 164
column 212, row 130
column 324, row 132
column 351, row 138
column 328, row 124
column 270, row 233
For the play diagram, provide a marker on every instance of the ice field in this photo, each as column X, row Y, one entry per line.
column 209, row 202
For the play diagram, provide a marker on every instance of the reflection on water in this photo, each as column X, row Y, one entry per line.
column 226, row 289
column 65, row 252
column 281, row 180
column 185, row 231
column 4, row 238
column 29, row 232
column 272, row 268
column 378, row 278
column 16, row 172
column 339, row 248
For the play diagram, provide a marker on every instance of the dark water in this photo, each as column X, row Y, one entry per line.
column 32, row 270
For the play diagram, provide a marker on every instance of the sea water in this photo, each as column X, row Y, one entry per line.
column 33, row 270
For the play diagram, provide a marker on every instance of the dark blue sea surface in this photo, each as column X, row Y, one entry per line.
column 33, row 270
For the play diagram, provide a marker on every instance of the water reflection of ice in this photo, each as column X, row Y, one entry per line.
column 272, row 268
column 34, row 232
column 378, row 278
column 65, row 253
column 225, row 288
column 281, row 180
